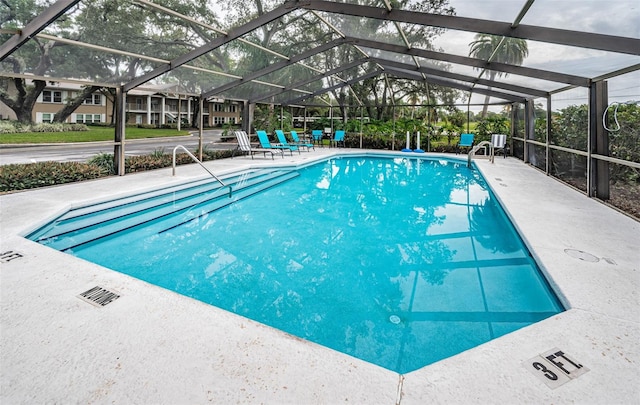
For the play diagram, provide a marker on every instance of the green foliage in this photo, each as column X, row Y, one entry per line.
column 624, row 141
column 15, row 127
column 158, row 152
column 489, row 126
column 104, row 161
column 94, row 133
column 208, row 154
column 570, row 127
column 267, row 118
column 42, row 174
column 33, row 175
column 228, row 128
column 158, row 159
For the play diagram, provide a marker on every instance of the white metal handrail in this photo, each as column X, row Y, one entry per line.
column 173, row 173
column 473, row 151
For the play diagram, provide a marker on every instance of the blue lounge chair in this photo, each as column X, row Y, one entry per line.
column 283, row 140
column 316, row 136
column 264, row 142
column 245, row 146
column 298, row 142
column 466, row 141
column 338, row 138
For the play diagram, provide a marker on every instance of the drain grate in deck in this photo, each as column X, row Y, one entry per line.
column 9, row 255
column 99, row 296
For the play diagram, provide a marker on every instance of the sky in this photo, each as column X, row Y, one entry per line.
column 580, row 15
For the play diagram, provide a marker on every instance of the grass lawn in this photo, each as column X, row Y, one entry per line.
column 94, row 134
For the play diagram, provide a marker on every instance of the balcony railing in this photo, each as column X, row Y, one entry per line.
column 142, row 107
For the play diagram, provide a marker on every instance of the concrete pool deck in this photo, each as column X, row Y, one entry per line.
column 155, row 346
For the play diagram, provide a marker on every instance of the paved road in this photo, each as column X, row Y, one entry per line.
column 81, row 152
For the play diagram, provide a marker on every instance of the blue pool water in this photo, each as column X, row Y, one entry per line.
column 399, row 262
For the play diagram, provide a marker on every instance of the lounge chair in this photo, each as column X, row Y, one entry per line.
column 466, row 141
column 283, row 140
column 298, row 142
column 337, row 138
column 245, row 145
column 498, row 143
column 316, row 136
column 264, row 142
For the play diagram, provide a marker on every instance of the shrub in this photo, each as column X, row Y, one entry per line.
column 105, row 162
column 41, row 174
column 208, row 154
column 15, row 127
column 159, row 152
column 47, row 127
column 9, row 127
column 134, row 164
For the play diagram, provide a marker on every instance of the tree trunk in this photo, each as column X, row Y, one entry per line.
column 74, row 103
column 485, row 107
column 195, row 117
column 492, row 77
column 23, row 103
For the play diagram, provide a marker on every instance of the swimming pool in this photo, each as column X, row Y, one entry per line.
column 400, row 262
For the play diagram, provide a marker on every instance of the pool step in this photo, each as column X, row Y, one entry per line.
column 76, row 230
column 82, row 217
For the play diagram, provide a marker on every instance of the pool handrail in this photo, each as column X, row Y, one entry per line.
column 479, row 146
column 173, row 173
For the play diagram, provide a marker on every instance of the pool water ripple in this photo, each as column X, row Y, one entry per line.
column 399, row 262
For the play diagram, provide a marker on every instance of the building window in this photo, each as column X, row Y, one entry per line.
column 93, row 99
column 218, row 107
column 87, row 118
column 218, row 120
column 49, row 96
column 47, row 117
column 232, row 108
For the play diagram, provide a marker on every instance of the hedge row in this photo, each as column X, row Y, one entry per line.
column 386, row 143
column 14, row 127
column 41, row 174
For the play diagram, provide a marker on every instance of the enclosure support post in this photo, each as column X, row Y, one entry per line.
column 281, row 117
column 200, row 125
column 331, row 118
column 468, row 111
column 393, row 137
column 598, row 142
column 179, row 109
column 514, row 126
column 529, row 132
column 304, row 120
column 247, row 116
column 121, row 120
column 548, row 137
column 361, row 124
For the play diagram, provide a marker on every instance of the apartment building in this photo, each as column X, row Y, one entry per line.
column 152, row 105
column 161, row 104
column 96, row 108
